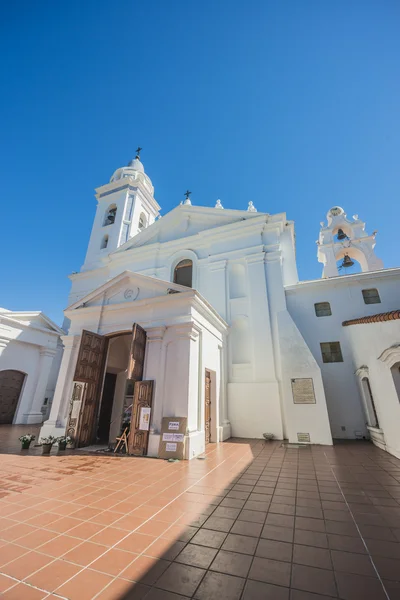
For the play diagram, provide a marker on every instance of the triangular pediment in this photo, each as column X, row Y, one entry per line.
column 187, row 221
column 127, row 287
column 35, row 319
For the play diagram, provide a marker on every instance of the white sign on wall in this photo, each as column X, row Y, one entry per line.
column 170, row 447
column 303, row 391
column 144, row 421
column 168, row 437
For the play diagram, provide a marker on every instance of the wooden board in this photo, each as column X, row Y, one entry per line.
column 85, row 399
column 10, row 390
column 137, row 353
column 140, row 424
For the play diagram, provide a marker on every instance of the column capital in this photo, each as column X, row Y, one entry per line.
column 218, row 265
column 70, row 341
column 4, row 342
column 155, row 334
column 254, row 259
column 275, row 256
column 184, row 330
column 47, row 351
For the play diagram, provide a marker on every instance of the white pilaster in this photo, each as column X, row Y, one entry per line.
column 59, row 410
column 33, row 413
column 154, row 370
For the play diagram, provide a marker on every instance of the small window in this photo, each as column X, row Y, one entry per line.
column 142, row 222
column 331, row 352
column 183, row 273
column 322, row 309
column 104, row 242
column 371, row 296
column 110, row 215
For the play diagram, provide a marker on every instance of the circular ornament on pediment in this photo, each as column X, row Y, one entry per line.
column 131, row 294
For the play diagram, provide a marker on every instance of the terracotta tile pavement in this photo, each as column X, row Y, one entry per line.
column 254, row 520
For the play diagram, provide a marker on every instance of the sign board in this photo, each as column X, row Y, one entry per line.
column 172, row 440
column 144, row 420
column 303, row 437
column 303, row 391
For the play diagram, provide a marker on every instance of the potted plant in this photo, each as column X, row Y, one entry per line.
column 47, row 443
column 26, row 440
column 63, row 441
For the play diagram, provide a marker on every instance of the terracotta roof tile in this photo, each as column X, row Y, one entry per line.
column 388, row 316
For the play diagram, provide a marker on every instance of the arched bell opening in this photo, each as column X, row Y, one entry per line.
column 351, row 260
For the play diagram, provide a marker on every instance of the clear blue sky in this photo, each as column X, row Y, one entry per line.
column 292, row 104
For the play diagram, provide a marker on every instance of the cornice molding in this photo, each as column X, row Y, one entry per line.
column 391, row 355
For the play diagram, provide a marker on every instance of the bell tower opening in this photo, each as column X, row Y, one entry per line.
column 344, row 247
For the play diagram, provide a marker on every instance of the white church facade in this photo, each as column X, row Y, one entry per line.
column 200, row 315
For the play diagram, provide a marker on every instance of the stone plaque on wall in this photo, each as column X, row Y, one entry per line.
column 303, row 391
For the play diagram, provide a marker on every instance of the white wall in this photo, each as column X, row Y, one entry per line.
column 367, row 344
column 344, row 295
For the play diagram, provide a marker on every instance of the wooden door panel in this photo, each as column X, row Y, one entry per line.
column 137, row 353
column 143, row 398
column 89, row 370
column 207, row 408
column 10, row 390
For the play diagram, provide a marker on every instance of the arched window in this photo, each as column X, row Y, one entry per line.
column 110, row 215
column 104, row 242
column 183, row 273
column 142, row 222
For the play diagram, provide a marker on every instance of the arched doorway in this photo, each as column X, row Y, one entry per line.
column 11, row 383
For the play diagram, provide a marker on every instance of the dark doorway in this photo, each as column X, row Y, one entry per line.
column 10, row 391
column 106, row 406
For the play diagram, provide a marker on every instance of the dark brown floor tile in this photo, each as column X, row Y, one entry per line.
column 254, row 505
column 257, row 590
column 181, row 579
column 338, row 515
column 197, row 556
column 232, row 502
column 156, row 594
column 274, row 549
column 311, row 556
column 252, row 516
column 310, row 579
column 240, row 543
column 281, row 534
column 377, row 533
column 232, row 563
column 359, row 587
column 308, row 503
column 310, row 524
column 282, row 509
column 366, row 519
column 349, row 562
column 238, row 495
column 381, row 548
column 300, row 595
column 310, row 538
column 335, row 527
column 246, row 528
column 218, row 524
column 226, row 512
column 392, row 588
column 388, row 568
column 309, row 512
column 346, row 543
column 280, row 520
column 270, row 571
column 211, row 539
column 220, row 586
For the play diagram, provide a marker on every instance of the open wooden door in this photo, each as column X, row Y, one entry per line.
column 138, row 350
column 86, row 388
column 141, row 415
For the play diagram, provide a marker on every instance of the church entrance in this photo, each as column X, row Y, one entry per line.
column 11, row 383
column 102, row 402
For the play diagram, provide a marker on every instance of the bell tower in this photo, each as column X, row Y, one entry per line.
column 125, row 206
column 344, row 239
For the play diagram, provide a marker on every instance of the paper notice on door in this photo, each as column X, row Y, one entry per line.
column 178, row 437
column 144, row 421
column 173, row 425
column 170, row 447
column 168, row 437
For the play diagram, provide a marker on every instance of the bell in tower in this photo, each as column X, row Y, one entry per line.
column 341, row 235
